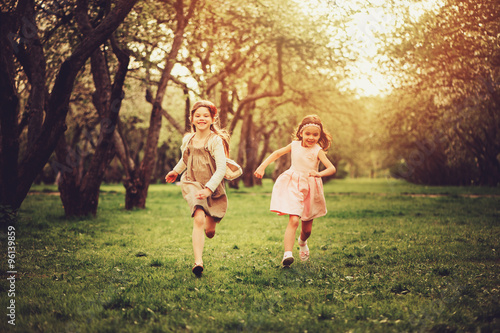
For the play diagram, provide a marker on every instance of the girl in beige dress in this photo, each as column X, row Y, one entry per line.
column 204, row 153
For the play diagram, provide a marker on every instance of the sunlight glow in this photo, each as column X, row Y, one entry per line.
column 366, row 28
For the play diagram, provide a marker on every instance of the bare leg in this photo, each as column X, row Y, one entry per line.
column 306, row 230
column 210, row 225
column 198, row 235
column 293, row 224
column 304, row 235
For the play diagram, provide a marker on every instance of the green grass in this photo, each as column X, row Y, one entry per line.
column 381, row 261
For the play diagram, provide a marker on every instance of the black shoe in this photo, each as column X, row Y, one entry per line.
column 198, row 270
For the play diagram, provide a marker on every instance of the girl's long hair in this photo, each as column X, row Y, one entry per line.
column 224, row 135
column 325, row 139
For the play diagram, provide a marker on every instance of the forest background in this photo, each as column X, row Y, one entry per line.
column 100, row 91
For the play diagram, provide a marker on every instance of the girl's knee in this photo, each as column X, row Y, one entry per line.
column 293, row 221
column 198, row 223
column 199, row 218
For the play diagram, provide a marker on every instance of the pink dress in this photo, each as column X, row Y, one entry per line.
column 294, row 193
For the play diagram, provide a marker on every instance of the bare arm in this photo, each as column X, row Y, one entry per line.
column 330, row 168
column 259, row 173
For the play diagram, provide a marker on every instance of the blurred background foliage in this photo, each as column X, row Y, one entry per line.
column 407, row 89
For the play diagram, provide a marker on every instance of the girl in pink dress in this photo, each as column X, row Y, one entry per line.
column 298, row 192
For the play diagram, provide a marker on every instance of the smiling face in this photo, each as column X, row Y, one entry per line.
column 201, row 118
column 310, row 136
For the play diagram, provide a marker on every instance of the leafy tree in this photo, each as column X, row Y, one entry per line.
column 139, row 175
column 79, row 188
column 254, row 59
column 445, row 119
column 23, row 49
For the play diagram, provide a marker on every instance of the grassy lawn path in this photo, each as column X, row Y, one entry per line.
column 388, row 257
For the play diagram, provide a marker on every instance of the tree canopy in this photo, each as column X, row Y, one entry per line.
column 445, row 113
column 66, row 67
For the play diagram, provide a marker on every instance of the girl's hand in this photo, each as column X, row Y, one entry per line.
column 203, row 194
column 259, row 173
column 171, row 176
column 314, row 174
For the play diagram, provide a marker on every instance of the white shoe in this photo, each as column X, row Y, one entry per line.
column 304, row 250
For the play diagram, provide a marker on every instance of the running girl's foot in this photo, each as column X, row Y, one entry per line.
column 198, row 269
column 287, row 259
column 303, row 250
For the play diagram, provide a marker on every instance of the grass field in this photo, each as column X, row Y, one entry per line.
column 388, row 257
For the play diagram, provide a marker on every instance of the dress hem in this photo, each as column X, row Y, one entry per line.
column 308, row 218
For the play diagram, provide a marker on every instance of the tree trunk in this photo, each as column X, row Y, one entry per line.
column 187, row 113
column 28, row 52
column 80, row 195
column 249, row 144
column 284, row 162
column 135, row 195
column 78, row 200
column 137, row 186
column 250, row 151
column 9, row 111
column 224, row 106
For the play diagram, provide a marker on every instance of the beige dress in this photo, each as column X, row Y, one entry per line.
column 200, row 168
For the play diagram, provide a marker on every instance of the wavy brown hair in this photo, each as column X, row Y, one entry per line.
column 224, row 135
column 325, row 139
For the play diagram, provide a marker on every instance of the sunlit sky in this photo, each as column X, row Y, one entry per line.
column 369, row 19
